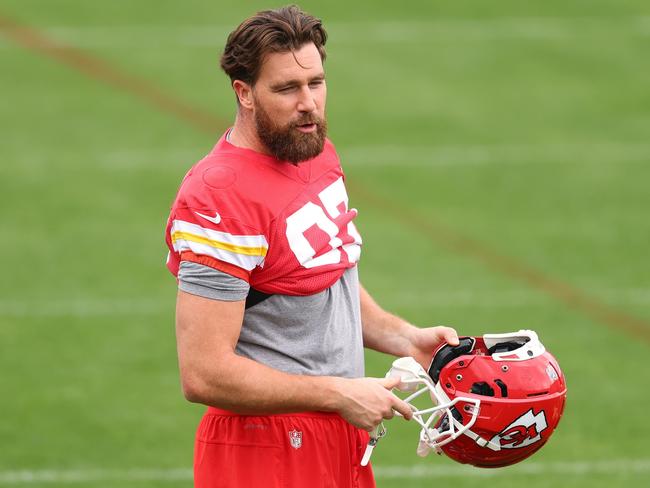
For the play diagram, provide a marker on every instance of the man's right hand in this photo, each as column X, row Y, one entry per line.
column 365, row 402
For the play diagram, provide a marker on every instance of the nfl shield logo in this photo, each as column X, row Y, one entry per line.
column 295, row 436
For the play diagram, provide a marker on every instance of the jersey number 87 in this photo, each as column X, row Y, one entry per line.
column 325, row 218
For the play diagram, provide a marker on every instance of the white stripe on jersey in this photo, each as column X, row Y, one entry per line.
column 245, row 251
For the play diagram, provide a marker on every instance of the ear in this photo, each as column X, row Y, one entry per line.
column 244, row 93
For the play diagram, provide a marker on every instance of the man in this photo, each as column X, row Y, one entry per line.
column 271, row 319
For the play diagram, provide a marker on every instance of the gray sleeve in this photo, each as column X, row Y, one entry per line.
column 201, row 280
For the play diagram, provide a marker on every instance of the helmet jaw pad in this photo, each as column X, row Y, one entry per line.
column 448, row 353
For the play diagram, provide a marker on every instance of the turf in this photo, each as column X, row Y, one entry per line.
column 522, row 127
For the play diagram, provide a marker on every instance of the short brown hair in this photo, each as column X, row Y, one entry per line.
column 270, row 31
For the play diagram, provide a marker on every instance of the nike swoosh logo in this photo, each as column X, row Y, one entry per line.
column 215, row 220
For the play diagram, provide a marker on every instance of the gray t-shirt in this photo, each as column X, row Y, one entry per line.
column 318, row 334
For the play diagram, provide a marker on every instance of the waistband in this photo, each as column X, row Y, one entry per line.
column 227, row 413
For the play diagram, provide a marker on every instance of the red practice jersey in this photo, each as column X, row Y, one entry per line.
column 283, row 228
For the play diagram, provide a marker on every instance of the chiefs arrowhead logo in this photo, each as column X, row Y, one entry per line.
column 524, row 431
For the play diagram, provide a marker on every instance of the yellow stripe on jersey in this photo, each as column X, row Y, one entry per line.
column 226, row 246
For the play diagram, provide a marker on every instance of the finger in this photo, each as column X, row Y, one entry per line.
column 403, row 408
column 390, row 383
column 450, row 336
column 373, row 428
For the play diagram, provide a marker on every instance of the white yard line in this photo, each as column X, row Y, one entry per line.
column 469, row 298
column 484, row 29
column 83, row 308
column 610, row 467
column 588, row 153
column 380, row 155
column 362, row 32
column 430, row 470
column 487, row 299
column 94, row 475
column 507, row 298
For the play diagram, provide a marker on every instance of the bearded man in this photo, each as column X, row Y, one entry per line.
column 271, row 319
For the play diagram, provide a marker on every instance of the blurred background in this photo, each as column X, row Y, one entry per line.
column 498, row 154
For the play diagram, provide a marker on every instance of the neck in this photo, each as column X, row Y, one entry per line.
column 244, row 135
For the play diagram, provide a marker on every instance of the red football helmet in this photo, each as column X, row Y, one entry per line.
column 497, row 398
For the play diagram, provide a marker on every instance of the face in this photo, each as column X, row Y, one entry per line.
column 289, row 104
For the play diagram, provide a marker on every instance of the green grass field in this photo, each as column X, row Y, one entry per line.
column 521, row 127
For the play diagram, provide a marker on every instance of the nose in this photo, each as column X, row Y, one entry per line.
column 306, row 101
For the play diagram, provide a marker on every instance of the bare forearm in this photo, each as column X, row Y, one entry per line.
column 383, row 331
column 247, row 387
column 244, row 386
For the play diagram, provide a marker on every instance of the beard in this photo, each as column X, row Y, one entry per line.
column 287, row 143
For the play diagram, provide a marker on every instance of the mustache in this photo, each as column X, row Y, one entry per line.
column 307, row 119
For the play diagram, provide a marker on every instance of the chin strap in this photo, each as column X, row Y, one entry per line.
column 481, row 441
column 375, row 435
column 425, row 446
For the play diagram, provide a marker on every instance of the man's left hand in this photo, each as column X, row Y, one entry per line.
column 425, row 341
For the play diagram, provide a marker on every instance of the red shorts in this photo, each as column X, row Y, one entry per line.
column 314, row 449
